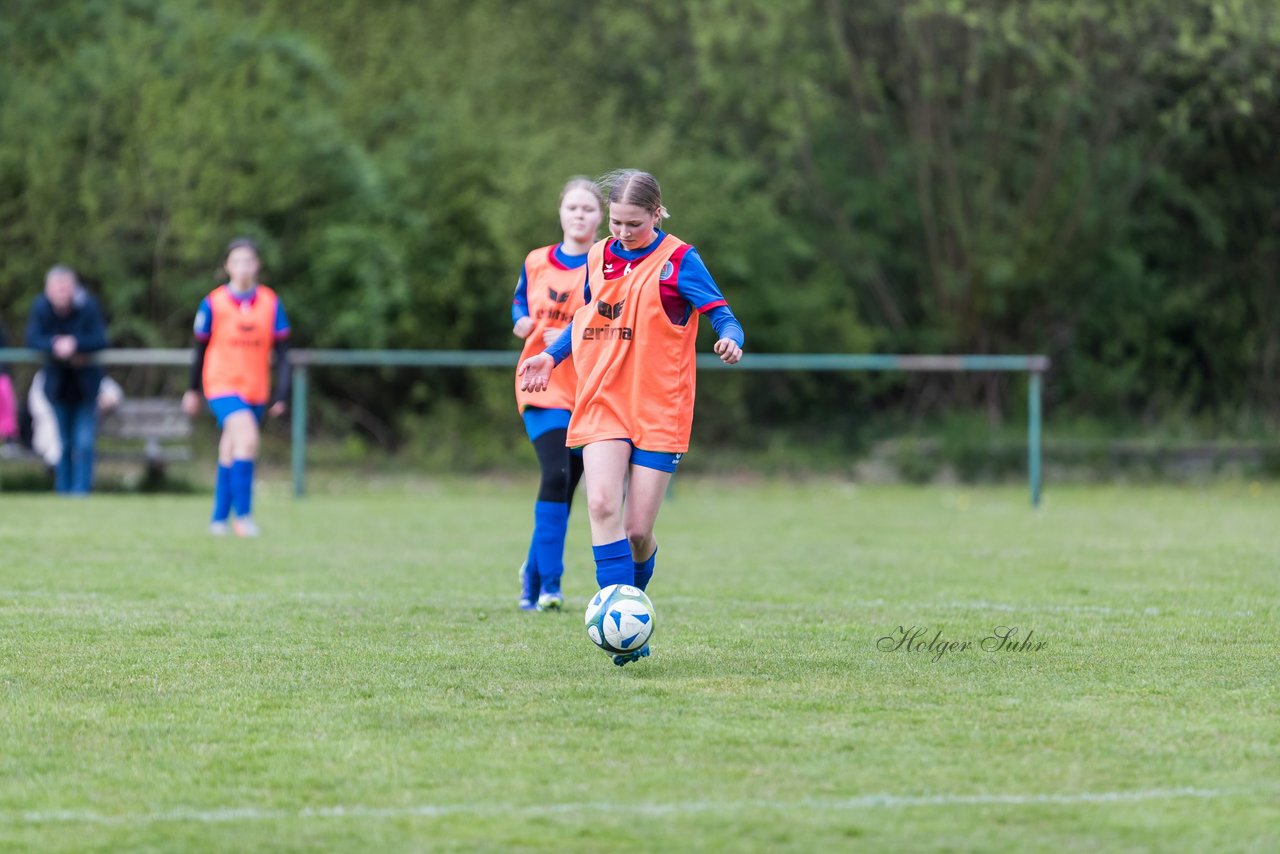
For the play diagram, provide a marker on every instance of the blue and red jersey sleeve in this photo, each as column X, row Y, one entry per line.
column 691, row 282
column 688, row 286
column 520, row 302
column 282, row 321
column 204, row 320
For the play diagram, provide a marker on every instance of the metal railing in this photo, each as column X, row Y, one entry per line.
column 304, row 360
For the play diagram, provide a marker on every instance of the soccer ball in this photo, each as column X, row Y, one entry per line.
column 620, row 619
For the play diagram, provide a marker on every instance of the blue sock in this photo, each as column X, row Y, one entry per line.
column 242, row 487
column 550, row 521
column 222, row 494
column 644, row 571
column 531, row 583
column 614, row 564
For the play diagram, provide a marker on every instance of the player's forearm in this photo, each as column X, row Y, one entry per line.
column 195, row 381
column 562, row 346
column 284, row 372
column 726, row 325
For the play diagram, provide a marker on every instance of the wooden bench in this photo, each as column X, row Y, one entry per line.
column 157, row 422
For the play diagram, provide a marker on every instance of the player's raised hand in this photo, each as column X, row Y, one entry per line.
column 523, row 327
column 728, row 351
column 535, row 372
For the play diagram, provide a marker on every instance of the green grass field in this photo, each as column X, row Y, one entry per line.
column 359, row 679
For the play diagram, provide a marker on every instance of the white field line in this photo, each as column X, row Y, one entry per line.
column 1107, row 610
column 231, row 815
column 983, row 605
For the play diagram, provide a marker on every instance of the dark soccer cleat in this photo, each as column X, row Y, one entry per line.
column 628, row 657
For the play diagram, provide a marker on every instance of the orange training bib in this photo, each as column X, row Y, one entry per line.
column 636, row 369
column 238, row 360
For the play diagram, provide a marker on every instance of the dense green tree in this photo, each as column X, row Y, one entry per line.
column 1091, row 179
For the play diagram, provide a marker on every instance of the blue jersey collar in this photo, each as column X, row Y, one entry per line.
column 247, row 297
column 569, row 262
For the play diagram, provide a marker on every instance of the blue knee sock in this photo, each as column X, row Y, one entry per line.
column 614, row 564
column 222, row 494
column 242, row 487
column 644, row 571
column 530, row 583
column 550, row 521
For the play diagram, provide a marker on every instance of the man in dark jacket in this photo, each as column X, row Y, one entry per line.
column 67, row 324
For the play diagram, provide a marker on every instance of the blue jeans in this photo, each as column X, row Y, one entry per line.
column 78, row 428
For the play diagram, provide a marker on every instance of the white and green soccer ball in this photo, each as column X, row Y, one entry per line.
column 620, row 619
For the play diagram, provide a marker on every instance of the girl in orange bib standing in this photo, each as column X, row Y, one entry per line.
column 238, row 327
column 632, row 344
column 548, row 293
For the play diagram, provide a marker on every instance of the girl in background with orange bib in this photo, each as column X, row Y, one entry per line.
column 549, row 291
column 238, row 327
column 633, row 350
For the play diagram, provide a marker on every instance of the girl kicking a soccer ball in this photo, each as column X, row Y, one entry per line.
column 632, row 344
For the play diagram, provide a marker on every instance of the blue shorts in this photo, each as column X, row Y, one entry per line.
column 538, row 420
column 221, row 407
column 660, row 460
